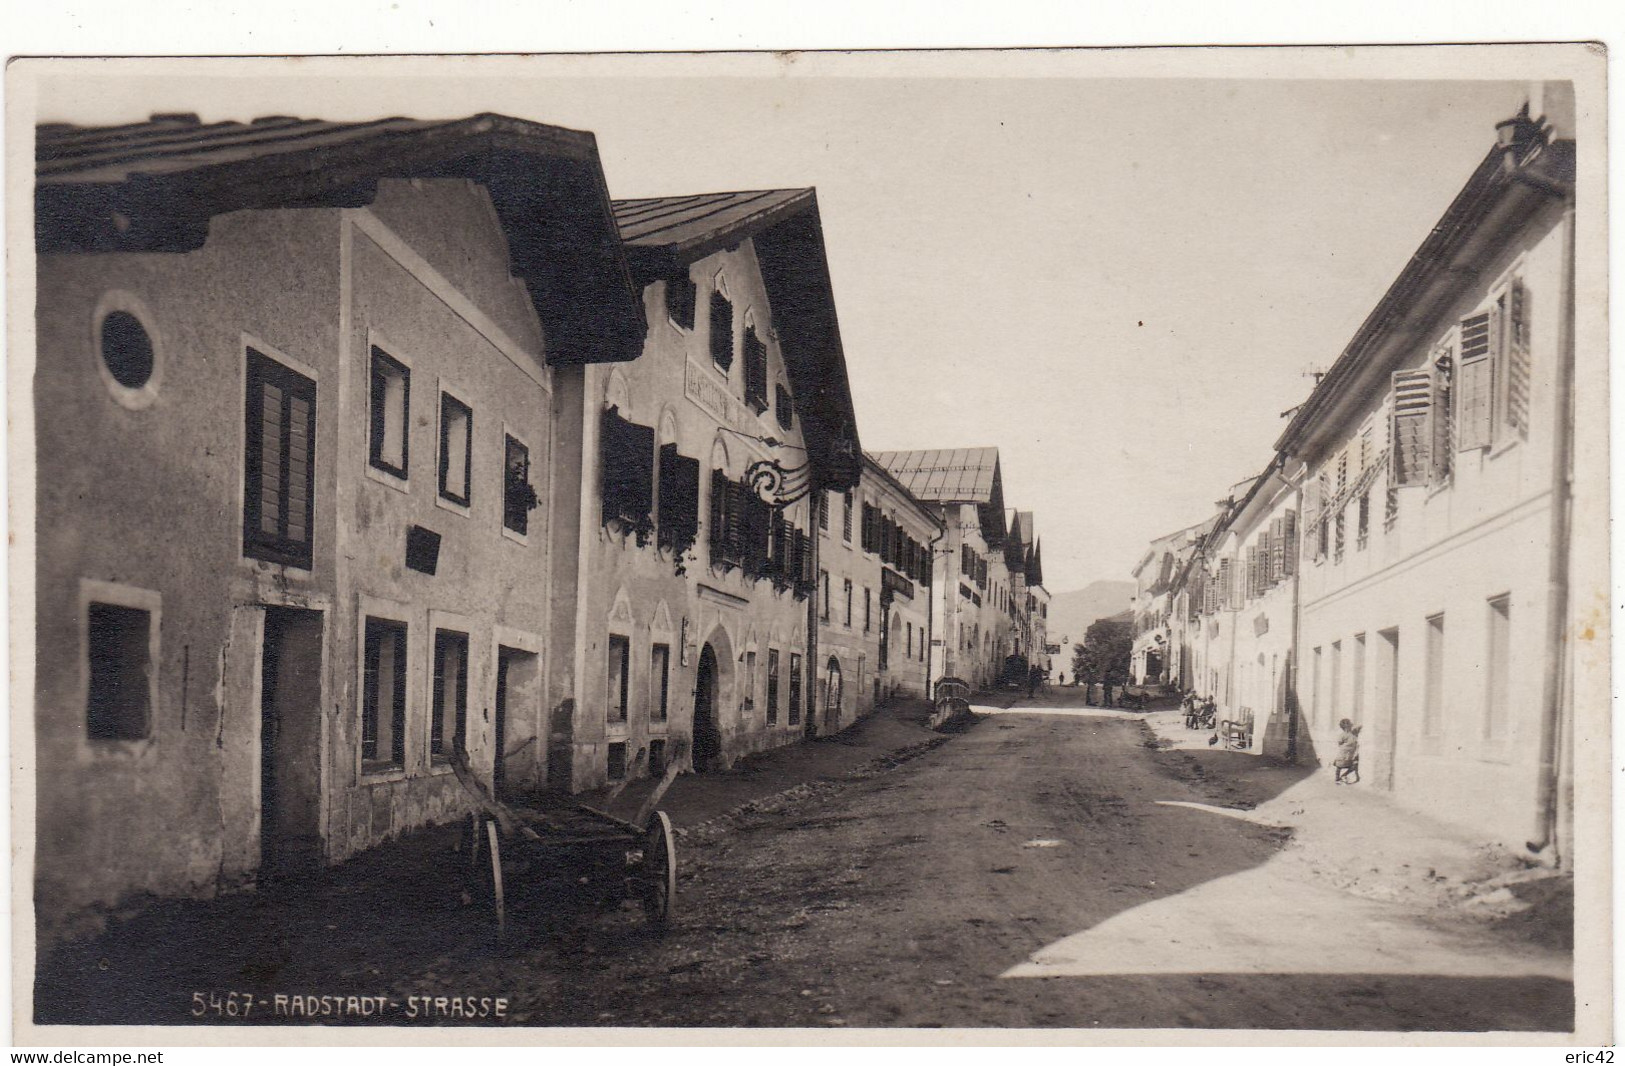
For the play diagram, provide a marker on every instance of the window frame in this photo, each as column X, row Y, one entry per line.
column 131, row 597
column 624, row 641
column 1497, row 676
column 146, row 394
column 772, row 696
column 391, row 618
column 659, row 684
column 518, row 536
column 454, row 627
column 797, row 685
column 256, row 544
column 378, row 469
column 462, row 505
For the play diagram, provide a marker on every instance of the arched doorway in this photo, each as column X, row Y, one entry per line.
column 707, row 738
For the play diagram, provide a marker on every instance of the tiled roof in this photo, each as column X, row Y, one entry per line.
column 155, row 185
column 669, row 222
column 946, row 475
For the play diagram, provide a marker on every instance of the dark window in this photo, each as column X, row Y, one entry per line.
column 383, row 696
column 657, row 758
column 126, row 349
column 755, row 371
column 823, row 579
column 449, row 725
column 456, row 449
column 847, row 585
column 620, row 662
column 722, row 331
column 660, row 679
column 518, row 495
column 679, row 499
column 680, row 293
column 1363, row 529
column 783, row 407
column 391, row 413
column 868, row 598
column 617, row 761
column 772, row 686
column 279, row 482
column 795, row 688
column 868, row 529
column 627, row 450
column 846, row 516
column 118, row 705
column 823, row 512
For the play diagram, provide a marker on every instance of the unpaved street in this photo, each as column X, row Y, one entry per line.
column 906, row 894
column 902, row 899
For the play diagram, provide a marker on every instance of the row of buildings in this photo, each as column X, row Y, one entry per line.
column 364, row 448
column 1404, row 560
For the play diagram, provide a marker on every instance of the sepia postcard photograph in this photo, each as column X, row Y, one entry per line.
column 1108, row 543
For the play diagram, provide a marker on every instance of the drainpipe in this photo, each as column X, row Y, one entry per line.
column 816, row 499
column 1553, row 690
column 1294, row 706
column 931, row 614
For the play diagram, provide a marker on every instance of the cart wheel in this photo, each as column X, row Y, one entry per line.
column 659, row 873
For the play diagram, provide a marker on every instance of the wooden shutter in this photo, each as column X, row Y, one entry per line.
column 1475, row 382
column 280, row 472
column 722, row 330
column 755, row 371
column 627, row 452
column 679, row 497
column 1412, row 426
column 1517, row 361
column 1289, row 551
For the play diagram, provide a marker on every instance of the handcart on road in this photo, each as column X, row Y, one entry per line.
column 572, row 856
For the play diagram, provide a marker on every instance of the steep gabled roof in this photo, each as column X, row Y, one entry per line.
column 666, row 234
column 154, row 187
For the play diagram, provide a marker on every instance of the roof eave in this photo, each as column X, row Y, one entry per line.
column 1434, row 271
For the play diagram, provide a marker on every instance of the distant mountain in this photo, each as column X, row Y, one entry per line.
column 1070, row 613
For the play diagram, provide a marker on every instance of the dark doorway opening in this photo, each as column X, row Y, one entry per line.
column 519, row 766
column 707, row 738
column 290, row 741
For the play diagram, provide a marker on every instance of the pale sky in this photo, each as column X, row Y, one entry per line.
column 1121, row 283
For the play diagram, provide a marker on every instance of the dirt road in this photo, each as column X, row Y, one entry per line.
column 913, row 894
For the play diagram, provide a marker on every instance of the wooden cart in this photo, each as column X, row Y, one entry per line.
column 573, row 856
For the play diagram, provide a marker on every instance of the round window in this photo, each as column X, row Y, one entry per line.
column 126, row 349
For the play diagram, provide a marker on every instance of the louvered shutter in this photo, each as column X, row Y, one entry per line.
column 1517, row 361
column 741, row 522
column 679, row 496
column 627, row 451
column 1289, row 550
column 1444, row 449
column 1475, row 382
column 1412, row 426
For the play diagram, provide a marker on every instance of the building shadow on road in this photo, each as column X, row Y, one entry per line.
column 1349, row 1002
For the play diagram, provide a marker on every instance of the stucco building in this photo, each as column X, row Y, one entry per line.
column 1406, row 560
column 689, row 590
column 971, row 597
column 321, row 354
column 1437, row 455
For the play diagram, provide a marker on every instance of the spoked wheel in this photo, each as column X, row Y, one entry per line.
column 658, row 871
